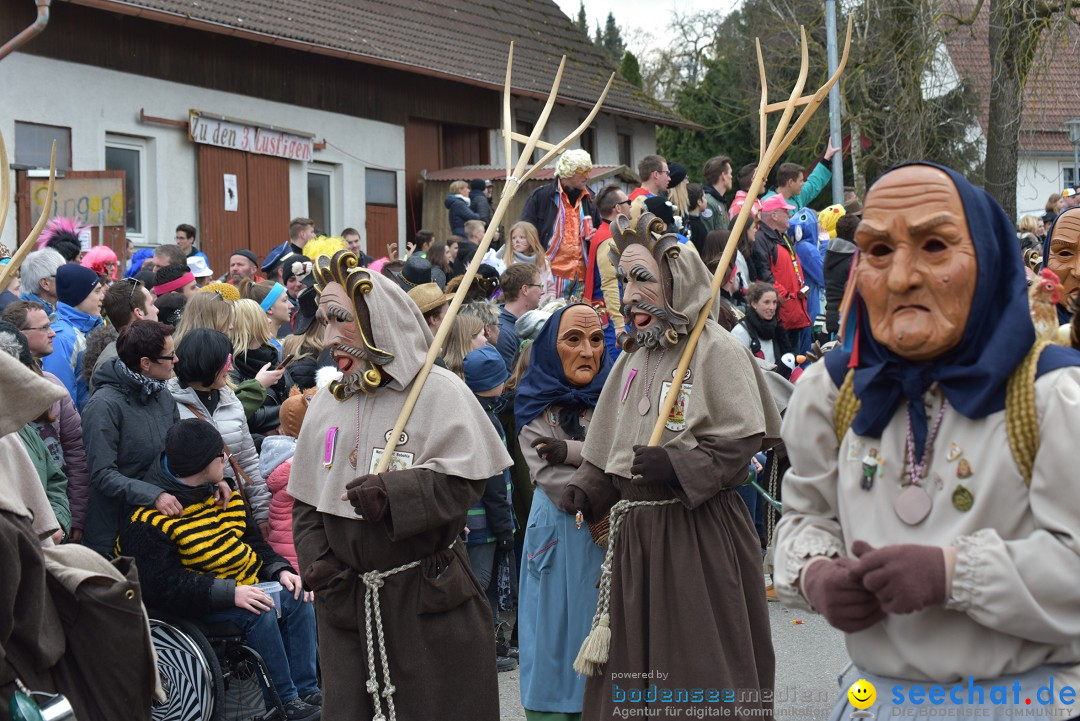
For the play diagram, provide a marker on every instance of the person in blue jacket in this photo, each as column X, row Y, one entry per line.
column 78, row 311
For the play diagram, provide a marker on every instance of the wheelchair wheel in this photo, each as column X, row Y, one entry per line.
column 190, row 673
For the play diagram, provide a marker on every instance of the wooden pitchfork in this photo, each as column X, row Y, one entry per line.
column 515, row 179
column 781, row 139
column 7, row 272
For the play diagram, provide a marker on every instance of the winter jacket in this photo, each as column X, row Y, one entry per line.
column 817, row 180
column 717, row 217
column 171, row 585
column 492, row 517
column 771, row 245
column 459, row 210
column 52, row 478
column 508, row 344
column 275, row 463
column 810, row 262
column 229, row 419
column 124, row 426
column 67, row 430
column 479, row 204
column 838, row 259
column 542, row 208
column 65, row 362
column 27, row 295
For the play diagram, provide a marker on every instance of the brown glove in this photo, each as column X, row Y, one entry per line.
column 836, row 593
column 319, row 574
column 573, row 499
column 905, row 578
column 551, row 450
column 367, row 494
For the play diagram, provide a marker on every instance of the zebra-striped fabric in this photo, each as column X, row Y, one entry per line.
column 210, row 540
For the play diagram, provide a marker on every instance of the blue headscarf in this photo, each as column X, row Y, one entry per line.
column 1063, row 312
column 545, row 384
column 999, row 333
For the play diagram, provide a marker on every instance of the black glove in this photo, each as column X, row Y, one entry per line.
column 652, row 465
column 573, row 499
column 504, row 544
column 367, row 494
column 551, row 450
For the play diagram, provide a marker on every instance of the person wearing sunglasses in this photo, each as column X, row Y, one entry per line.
column 124, row 426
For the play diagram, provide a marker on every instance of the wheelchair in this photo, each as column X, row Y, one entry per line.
column 209, row 673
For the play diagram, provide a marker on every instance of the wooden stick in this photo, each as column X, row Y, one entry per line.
column 514, row 181
column 763, row 114
column 780, row 142
column 7, row 272
column 5, row 187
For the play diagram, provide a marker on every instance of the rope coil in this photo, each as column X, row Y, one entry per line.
column 373, row 581
column 594, row 649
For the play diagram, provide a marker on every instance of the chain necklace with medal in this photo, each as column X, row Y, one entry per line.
column 913, row 503
column 645, row 405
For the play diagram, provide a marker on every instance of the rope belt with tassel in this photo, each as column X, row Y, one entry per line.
column 594, row 650
column 373, row 581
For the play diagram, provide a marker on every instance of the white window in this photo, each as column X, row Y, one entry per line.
column 33, row 145
column 130, row 155
column 318, row 194
column 1068, row 180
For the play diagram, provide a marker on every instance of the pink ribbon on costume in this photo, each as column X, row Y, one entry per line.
column 160, row 290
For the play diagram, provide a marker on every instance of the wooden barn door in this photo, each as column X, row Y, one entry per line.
column 261, row 218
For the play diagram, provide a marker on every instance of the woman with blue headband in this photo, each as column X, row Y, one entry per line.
column 929, row 511
column 553, row 407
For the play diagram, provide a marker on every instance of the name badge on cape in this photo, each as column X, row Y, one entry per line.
column 677, row 418
column 399, row 460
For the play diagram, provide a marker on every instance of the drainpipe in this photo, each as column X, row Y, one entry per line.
column 29, row 33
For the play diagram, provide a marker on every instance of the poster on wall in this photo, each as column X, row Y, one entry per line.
column 231, row 201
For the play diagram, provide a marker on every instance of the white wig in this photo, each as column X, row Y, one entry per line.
column 572, row 162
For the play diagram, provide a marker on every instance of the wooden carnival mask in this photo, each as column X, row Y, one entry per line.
column 580, row 344
column 917, row 267
column 1064, row 256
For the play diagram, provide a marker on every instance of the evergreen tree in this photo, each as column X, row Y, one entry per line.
column 612, row 38
column 630, row 69
column 582, row 21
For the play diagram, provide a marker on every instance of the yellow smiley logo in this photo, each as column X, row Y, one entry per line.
column 862, row 694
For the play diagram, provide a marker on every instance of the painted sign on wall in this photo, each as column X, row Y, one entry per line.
column 91, row 201
column 248, row 138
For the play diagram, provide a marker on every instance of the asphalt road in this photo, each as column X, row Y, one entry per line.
column 809, row 657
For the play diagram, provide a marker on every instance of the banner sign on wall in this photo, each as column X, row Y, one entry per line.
column 238, row 135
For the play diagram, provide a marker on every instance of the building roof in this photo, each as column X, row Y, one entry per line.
column 1052, row 93
column 461, row 40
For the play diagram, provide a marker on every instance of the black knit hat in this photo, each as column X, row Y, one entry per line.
column 191, row 445
column 677, row 174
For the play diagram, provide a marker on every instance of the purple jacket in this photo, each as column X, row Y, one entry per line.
column 67, row 428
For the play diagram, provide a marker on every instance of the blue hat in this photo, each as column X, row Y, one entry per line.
column 74, row 283
column 484, row 369
column 274, row 257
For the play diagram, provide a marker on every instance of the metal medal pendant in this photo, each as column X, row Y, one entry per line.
column 352, row 458
column 644, row 406
column 962, row 498
column 912, row 505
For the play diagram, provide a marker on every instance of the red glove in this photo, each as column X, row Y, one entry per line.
column 367, row 494
column 834, row 591
column 905, row 578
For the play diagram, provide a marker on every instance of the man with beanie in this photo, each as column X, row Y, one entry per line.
column 242, row 264
column 565, row 217
column 491, row 520
column 79, row 293
column 293, row 272
column 480, row 198
column 206, row 562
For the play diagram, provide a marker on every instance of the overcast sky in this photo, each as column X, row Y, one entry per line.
column 636, row 15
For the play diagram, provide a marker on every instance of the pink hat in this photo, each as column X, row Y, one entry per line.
column 775, row 202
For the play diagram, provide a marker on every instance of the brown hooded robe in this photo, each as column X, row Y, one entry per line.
column 688, row 612
column 437, row 623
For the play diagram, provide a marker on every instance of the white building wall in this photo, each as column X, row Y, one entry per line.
column 1038, row 177
column 563, row 120
column 96, row 103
